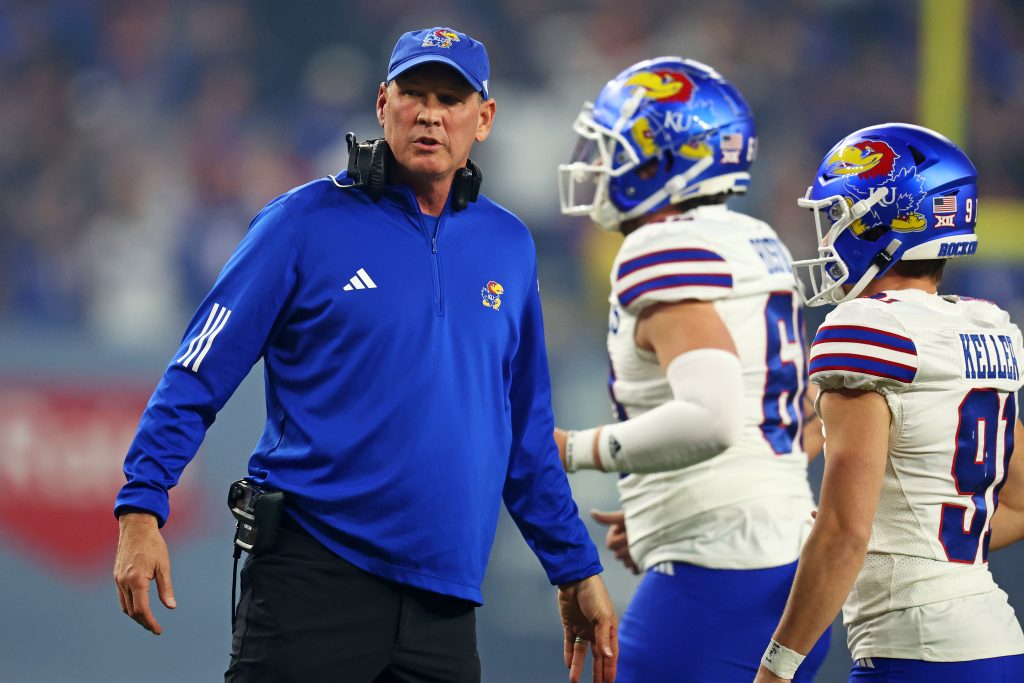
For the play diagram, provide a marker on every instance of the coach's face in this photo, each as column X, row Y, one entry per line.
column 431, row 117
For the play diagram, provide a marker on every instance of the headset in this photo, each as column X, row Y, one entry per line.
column 369, row 161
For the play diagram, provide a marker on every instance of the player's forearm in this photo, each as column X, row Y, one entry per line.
column 656, row 441
column 857, row 424
column 695, row 425
column 829, row 565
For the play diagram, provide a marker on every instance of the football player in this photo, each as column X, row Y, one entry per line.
column 919, row 403
column 707, row 375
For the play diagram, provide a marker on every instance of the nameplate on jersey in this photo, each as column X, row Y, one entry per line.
column 987, row 356
column 773, row 255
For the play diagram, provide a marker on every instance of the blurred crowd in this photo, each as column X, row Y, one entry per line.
column 139, row 137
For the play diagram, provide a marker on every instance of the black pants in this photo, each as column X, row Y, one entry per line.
column 308, row 616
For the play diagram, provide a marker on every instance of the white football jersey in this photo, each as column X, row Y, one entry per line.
column 748, row 507
column 948, row 368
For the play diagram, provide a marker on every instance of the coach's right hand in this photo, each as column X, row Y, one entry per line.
column 142, row 557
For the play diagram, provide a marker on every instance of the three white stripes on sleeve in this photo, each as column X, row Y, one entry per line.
column 200, row 345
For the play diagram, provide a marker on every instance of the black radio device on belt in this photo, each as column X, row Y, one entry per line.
column 258, row 511
column 258, row 514
column 368, row 164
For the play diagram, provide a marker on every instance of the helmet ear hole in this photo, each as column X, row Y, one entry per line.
column 648, row 169
column 919, row 157
column 874, row 233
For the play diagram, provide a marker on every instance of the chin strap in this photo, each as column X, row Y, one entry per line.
column 879, row 264
column 606, row 215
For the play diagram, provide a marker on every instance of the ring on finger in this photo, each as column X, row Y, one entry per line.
column 579, row 639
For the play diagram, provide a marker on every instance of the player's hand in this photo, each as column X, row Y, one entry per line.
column 587, row 612
column 616, row 540
column 766, row 676
column 561, row 438
column 142, row 557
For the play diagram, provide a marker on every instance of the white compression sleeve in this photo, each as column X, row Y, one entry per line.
column 704, row 417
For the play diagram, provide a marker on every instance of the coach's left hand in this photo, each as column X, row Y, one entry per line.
column 587, row 613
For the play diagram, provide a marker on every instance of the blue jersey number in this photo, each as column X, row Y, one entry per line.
column 786, row 360
column 974, row 470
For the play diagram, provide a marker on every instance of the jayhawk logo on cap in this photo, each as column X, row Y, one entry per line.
column 491, row 294
column 442, row 37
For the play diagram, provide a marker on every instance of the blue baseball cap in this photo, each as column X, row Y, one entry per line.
column 445, row 45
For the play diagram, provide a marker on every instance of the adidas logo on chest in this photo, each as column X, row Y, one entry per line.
column 361, row 280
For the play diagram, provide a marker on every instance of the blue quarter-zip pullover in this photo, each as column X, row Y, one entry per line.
column 406, row 379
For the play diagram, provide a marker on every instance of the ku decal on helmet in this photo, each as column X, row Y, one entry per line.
column 661, row 132
column 884, row 194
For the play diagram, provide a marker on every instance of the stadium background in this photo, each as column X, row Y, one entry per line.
column 138, row 137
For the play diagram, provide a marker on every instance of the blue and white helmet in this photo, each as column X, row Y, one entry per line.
column 677, row 111
column 884, row 194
